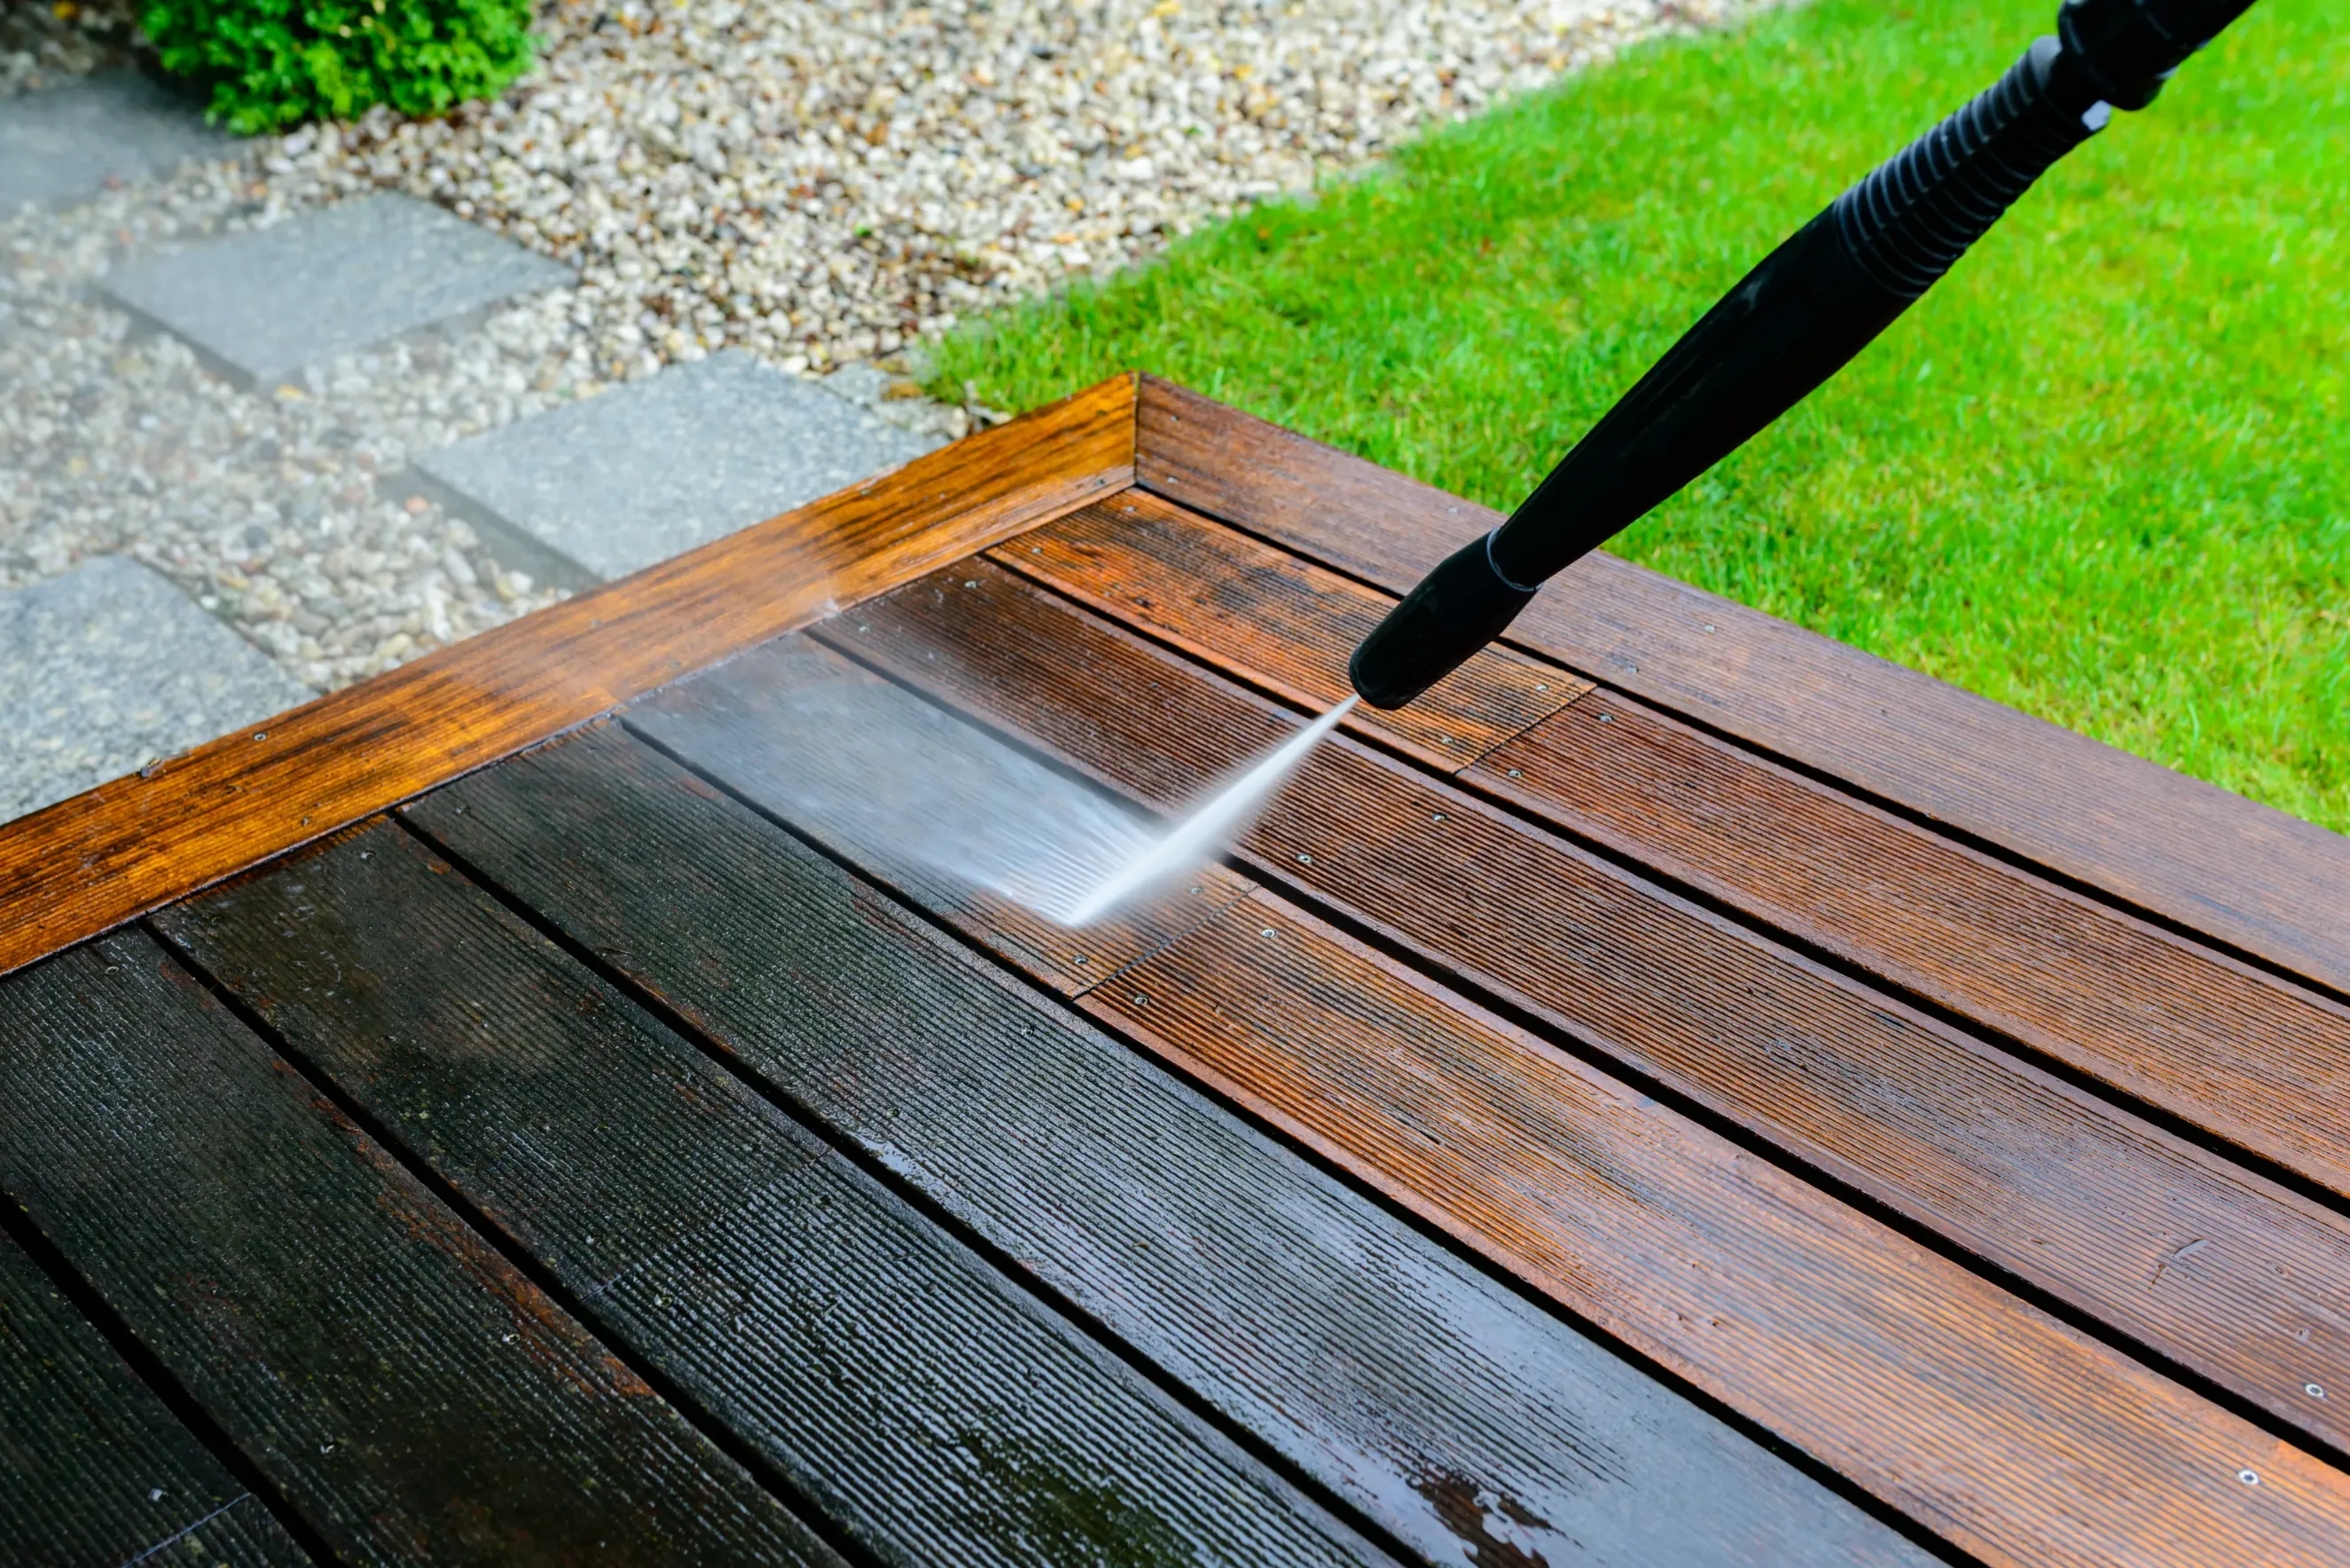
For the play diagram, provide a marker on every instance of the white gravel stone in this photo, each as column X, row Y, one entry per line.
column 823, row 182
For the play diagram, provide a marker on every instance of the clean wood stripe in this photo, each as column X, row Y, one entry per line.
column 411, row 1395
column 2249, row 1058
column 1267, row 616
column 86, row 864
column 1472, row 1424
column 2172, row 1245
column 2249, row 876
column 2010, row 1434
column 933, row 1410
column 98, row 1470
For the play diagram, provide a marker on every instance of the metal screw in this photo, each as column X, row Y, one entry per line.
column 2250, row 1478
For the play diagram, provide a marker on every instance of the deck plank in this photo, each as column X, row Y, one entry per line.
column 2172, row 1245
column 1459, row 1415
column 1926, row 1384
column 933, row 1409
column 2213, row 862
column 2246, row 1056
column 412, row 1397
column 1246, row 607
column 97, row 1470
column 84, row 865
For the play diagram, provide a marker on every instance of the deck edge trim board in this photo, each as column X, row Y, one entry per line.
column 88, row 864
column 2243, row 873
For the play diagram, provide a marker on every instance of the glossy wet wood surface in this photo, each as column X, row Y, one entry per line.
column 1593, row 1116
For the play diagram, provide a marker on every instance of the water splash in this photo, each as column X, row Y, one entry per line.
column 1210, row 824
column 898, row 783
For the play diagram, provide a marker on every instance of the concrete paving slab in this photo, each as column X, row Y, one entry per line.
column 109, row 667
column 596, row 490
column 61, row 144
column 267, row 305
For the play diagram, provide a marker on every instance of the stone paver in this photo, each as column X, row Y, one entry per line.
column 61, row 144
column 597, row 489
column 110, row 666
column 267, row 305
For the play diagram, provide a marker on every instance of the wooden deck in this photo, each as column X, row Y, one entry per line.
column 1686, row 1093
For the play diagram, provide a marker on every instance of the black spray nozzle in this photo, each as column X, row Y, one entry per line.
column 1793, row 322
column 1456, row 609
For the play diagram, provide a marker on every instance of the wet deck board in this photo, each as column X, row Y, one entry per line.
column 2252, row 1058
column 1684, row 1093
column 408, row 1394
column 921, row 1403
column 99, row 1469
column 1840, row 1334
column 2075, row 1194
column 1408, row 1383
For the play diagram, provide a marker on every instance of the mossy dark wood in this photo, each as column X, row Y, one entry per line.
column 93, row 1466
column 1926, row 1384
column 2214, row 862
column 2078, row 1196
column 414, row 1398
column 86, row 864
column 932, row 1410
column 1471, row 1424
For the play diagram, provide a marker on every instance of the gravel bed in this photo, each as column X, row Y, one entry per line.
column 822, row 183
column 42, row 43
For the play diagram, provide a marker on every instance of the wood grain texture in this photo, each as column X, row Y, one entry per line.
column 2248, row 1057
column 93, row 1467
column 412, row 1397
column 1478, row 1428
column 2013, row 1438
column 934, row 1410
column 2246, row 874
column 1283, row 623
column 86, row 864
column 2170, row 1244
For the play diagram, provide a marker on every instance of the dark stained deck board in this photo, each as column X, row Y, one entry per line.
column 2249, row 1058
column 934, row 1410
column 2213, row 862
column 1452, row 1410
column 1932, row 1387
column 2173, row 1246
column 411, row 1395
column 94, row 1468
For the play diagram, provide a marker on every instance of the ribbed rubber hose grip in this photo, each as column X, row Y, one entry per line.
column 1908, row 222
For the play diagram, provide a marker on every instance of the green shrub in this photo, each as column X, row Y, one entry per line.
column 271, row 64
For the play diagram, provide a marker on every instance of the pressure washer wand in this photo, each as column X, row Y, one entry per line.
column 1793, row 322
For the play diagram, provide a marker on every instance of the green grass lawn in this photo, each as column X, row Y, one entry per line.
column 2100, row 473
